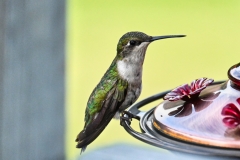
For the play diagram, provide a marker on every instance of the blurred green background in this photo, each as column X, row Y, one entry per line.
column 94, row 28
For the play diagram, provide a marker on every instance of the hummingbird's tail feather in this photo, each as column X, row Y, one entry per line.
column 88, row 135
column 83, row 149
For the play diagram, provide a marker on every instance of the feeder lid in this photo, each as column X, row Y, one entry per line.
column 202, row 113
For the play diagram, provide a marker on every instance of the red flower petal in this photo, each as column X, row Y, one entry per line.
column 193, row 85
column 230, row 122
column 184, row 89
column 186, row 92
column 231, row 110
column 199, row 83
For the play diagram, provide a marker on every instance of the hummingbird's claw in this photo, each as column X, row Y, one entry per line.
column 127, row 118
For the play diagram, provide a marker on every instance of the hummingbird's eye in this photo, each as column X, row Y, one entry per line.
column 132, row 42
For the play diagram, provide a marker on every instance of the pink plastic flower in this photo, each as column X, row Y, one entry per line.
column 232, row 113
column 186, row 92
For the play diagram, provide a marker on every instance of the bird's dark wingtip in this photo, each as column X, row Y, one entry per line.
column 78, row 145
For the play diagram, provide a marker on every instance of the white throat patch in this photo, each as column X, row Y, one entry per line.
column 130, row 68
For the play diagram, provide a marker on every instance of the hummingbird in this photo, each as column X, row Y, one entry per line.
column 119, row 87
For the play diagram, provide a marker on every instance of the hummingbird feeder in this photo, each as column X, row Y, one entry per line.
column 200, row 118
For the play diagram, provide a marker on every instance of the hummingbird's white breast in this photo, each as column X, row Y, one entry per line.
column 129, row 71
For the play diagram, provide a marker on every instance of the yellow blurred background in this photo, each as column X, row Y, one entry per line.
column 94, row 28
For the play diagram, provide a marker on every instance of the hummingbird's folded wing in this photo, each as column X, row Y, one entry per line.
column 109, row 107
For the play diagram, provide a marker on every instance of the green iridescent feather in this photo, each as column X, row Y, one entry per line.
column 109, row 80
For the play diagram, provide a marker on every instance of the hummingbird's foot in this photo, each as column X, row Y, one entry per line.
column 127, row 118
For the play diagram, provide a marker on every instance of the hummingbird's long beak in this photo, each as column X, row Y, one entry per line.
column 164, row 37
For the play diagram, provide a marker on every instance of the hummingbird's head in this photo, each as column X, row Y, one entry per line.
column 137, row 42
column 132, row 40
